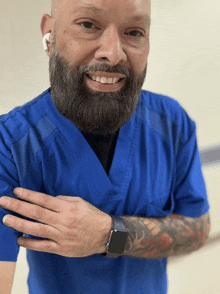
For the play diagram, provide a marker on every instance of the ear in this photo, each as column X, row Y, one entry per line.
column 47, row 27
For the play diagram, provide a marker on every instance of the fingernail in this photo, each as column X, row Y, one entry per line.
column 4, row 219
column 8, row 221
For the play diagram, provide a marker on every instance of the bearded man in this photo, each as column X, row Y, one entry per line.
column 101, row 181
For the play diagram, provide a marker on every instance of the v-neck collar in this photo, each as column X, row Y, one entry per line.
column 103, row 146
column 120, row 167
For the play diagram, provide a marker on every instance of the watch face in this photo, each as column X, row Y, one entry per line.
column 118, row 241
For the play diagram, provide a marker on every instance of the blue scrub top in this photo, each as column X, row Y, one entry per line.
column 156, row 171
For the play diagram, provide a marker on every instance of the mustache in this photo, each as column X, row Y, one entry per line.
column 83, row 69
column 103, row 68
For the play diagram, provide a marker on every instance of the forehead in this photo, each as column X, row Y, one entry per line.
column 138, row 10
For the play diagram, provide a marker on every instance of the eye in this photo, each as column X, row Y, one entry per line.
column 135, row 33
column 87, row 25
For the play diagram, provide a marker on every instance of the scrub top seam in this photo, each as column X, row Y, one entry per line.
column 132, row 149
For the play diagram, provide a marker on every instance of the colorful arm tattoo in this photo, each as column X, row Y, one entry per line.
column 157, row 238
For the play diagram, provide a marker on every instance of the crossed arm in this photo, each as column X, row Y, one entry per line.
column 164, row 237
column 67, row 225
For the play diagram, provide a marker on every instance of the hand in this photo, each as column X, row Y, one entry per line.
column 72, row 226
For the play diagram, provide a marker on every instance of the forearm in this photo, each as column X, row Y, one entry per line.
column 156, row 238
column 7, row 270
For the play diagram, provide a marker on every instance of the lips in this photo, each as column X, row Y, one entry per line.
column 105, row 77
column 104, row 82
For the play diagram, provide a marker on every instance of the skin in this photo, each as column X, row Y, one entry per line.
column 109, row 40
column 68, row 223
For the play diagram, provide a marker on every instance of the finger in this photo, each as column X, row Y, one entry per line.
column 29, row 210
column 69, row 198
column 30, row 228
column 38, row 198
column 38, row 245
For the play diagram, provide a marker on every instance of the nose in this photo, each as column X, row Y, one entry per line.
column 110, row 48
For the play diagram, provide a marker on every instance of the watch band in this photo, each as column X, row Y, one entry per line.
column 118, row 223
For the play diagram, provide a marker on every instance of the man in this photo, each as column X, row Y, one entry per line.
column 124, row 162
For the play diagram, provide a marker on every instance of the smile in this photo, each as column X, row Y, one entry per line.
column 104, row 80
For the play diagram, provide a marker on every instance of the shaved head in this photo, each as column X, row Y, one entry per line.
column 54, row 4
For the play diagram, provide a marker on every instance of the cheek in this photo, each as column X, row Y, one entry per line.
column 76, row 53
column 138, row 61
column 72, row 48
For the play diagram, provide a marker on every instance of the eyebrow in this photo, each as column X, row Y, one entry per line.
column 96, row 10
column 142, row 17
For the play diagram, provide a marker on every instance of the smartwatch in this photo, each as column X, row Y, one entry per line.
column 117, row 238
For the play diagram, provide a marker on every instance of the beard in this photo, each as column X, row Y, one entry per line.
column 92, row 111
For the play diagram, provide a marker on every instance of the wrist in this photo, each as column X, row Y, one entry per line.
column 107, row 227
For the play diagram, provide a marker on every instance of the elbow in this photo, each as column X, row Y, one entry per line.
column 205, row 230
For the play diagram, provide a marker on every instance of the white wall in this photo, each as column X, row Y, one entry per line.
column 184, row 63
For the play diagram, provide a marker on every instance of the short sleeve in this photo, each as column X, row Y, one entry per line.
column 190, row 191
column 8, row 181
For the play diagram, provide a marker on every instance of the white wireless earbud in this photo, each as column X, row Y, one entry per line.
column 45, row 39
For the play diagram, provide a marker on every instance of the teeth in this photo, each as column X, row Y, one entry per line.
column 97, row 79
column 105, row 80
